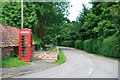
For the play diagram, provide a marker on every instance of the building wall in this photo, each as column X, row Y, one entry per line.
column 11, row 51
column 6, row 51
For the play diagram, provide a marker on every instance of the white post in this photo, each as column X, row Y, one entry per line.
column 22, row 14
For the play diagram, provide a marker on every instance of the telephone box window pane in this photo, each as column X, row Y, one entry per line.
column 24, row 46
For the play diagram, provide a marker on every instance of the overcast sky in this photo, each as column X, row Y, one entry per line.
column 77, row 8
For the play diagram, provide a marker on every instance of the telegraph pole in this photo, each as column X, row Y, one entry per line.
column 22, row 14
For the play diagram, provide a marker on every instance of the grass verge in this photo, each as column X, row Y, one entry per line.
column 107, row 57
column 9, row 62
column 61, row 57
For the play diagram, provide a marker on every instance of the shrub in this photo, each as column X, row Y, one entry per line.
column 110, row 47
column 88, row 45
column 68, row 43
column 79, row 44
column 97, row 44
column 38, row 43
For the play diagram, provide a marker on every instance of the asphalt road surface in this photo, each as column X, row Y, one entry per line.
column 80, row 64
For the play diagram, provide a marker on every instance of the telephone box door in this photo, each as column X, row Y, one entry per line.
column 25, row 44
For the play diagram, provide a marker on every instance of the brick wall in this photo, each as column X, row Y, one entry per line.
column 46, row 56
column 7, row 51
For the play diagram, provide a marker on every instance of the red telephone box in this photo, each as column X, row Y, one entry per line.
column 25, row 44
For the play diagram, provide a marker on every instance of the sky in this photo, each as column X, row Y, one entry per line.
column 77, row 8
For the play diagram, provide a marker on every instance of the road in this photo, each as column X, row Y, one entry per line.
column 80, row 64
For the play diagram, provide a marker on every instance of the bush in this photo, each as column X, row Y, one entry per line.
column 93, row 45
column 110, row 47
column 88, row 45
column 107, row 47
column 68, row 43
column 97, row 44
column 38, row 43
column 79, row 44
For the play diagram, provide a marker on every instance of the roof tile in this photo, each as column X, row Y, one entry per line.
column 9, row 36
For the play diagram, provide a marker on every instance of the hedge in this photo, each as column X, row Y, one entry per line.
column 107, row 47
column 68, row 43
column 79, row 44
column 110, row 47
column 97, row 45
column 93, row 45
column 88, row 45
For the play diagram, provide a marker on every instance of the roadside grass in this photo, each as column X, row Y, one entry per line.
column 61, row 57
column 107, row 57
column 9, row 62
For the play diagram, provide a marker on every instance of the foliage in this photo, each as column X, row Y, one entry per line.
column 107, row 47
column 79, row 44
column 69, row 31
column 49, row 23
column 38, row 43
column 9, row 62
column 11, row 14
column 68, row 43
column 97, row 25
column 50, row 48
column 43, row 18
column 110, row 47
column 99, row 21
column 97, row 45
column 88, row 45
column 61, row 57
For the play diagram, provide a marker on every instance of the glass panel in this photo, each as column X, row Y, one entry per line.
column 24, row 50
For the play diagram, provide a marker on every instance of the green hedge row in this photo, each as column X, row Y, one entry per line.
column 93, row 45
column 88, row 45
column 68, row 43
column 79, row 44
column 110, row 47
column 97, row 45
column 107, row 47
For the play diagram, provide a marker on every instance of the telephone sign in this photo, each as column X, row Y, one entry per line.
column 25, row 44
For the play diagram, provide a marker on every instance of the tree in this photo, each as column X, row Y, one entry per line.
column 11, row 14
column 99, row 21
column 40, row 17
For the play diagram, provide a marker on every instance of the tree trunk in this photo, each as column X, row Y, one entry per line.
column 39, row 27
column 41, row 24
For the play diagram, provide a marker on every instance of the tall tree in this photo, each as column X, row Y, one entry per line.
column 37, row 15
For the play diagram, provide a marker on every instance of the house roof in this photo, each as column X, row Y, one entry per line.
column 9, row 36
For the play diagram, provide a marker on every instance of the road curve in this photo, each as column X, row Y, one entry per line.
column 79, row 64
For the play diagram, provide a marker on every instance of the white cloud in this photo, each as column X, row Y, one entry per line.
column 77, row 8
